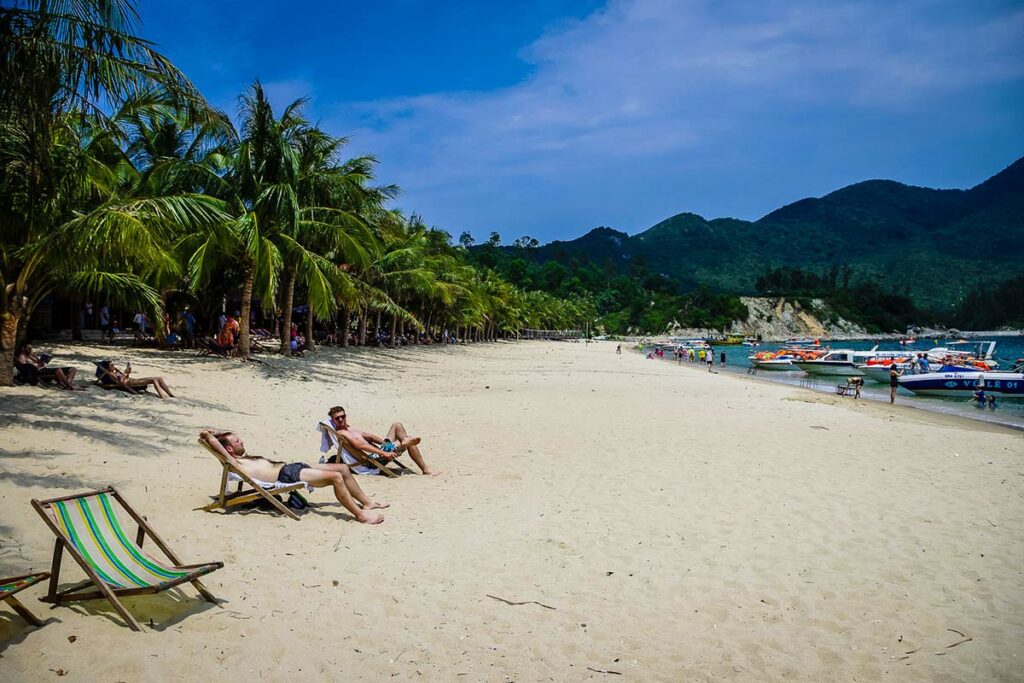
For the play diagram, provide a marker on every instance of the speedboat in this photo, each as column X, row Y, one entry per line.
column 1005, row 384
column 783, row 359
column 948, row 380
column 879, row 372
column 844, row 362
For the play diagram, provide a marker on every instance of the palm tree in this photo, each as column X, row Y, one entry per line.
column 61, row 61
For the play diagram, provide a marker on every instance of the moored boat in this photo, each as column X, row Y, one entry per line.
column 948, row 380
column 844, row 362
column 782, row 359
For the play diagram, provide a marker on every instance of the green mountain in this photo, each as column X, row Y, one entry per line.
column 934, row 245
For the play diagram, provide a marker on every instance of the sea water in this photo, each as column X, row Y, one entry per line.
column 1008, row 350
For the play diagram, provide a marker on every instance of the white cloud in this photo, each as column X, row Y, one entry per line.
column 639, row 82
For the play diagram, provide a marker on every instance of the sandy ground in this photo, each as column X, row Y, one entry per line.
column 673, row 525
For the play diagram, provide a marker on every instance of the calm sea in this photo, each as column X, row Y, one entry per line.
column 1007, row 350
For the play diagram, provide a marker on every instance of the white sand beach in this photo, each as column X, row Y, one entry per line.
column 656, row 521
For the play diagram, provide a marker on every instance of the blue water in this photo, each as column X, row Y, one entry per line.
column 1008, row 349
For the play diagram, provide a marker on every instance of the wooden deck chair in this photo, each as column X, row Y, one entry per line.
column 256, row 490
column 8, row 587
column 363, row 458
column 114, row 383
column 87, row 526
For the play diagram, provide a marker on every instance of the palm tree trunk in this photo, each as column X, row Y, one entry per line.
column 286, row 318
column 8, row 344
column 401, row 328
column 394, row 327
column 310, row 338
column 376, row 326
column 363, row 313
column 346, row 321
column 243, row 324
column 76, row 323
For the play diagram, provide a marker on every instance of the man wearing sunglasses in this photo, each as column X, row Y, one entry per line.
column 389, row 447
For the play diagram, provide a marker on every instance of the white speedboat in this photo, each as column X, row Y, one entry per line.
column 783, row 363
column 880, row 373
column 844, row 362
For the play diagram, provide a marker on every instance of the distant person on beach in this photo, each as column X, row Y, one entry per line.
column 711, row 359
column 723, row 359
column 389, row 447
column 338, row 477
column 108, row 374
column 894, row 382
column 923, row 364
column 105, row 322
column 983, row 398
column 32, row 368
column 618, row 349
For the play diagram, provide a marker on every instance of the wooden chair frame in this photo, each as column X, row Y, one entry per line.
column 363, row 458
column 15, row 604
column 241, row 496
column 102, row 589
column 116, row 383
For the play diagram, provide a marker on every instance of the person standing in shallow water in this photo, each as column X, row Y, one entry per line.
column 894, row 382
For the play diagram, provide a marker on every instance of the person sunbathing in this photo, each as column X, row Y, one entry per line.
column 109, row 375
column 338, row 477
column 394, row 444
column 32, row 368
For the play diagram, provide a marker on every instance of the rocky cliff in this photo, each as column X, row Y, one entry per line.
column 779, row 319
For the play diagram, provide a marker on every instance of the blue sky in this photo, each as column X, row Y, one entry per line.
column 550, row 117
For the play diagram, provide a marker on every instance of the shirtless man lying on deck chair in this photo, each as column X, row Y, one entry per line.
column 346, row 489
column 394, row 444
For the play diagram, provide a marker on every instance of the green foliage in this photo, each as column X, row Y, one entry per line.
column 989, row 307
column 916, row 241
column 866, row 303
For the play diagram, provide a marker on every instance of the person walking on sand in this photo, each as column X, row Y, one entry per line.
column 338, row 477
column 894, row 382
column 618, row 350
column 394, row 444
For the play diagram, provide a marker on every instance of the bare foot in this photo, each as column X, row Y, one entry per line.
column 366, row 518
column 374, row 505
column 432, row 473
column 412, row 441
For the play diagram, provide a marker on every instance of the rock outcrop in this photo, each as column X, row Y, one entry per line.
column 779, row 319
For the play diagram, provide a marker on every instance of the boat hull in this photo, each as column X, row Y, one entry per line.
column 1004, row 384
column 776, row 365
column 829, row 368
column 962, row 384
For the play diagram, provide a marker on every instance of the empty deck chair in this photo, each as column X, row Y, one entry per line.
column 257, row 489
column 332, row 436
column 8, row 587
column 87, row 526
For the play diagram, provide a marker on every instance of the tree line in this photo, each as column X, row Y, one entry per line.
column 120, row 183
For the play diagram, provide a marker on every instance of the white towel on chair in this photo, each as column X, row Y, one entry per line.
column 265, row 485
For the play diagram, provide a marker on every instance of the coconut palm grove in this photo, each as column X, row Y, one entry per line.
column 121, row 185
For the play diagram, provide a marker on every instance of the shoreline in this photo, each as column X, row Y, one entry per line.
column 871, row 399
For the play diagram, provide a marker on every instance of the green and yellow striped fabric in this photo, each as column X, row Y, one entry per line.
column 16, row 585
column 91, row 526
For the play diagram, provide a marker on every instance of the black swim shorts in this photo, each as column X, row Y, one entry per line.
column 289, row 473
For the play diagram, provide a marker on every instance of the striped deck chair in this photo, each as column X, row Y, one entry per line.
column 87, row 526
column 256, row 489
column 8, row 587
